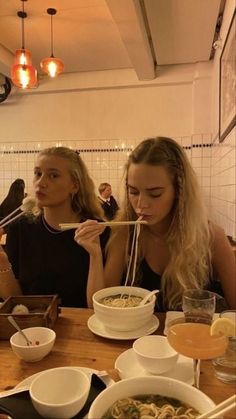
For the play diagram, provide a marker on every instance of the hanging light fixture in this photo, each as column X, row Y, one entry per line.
column 23, row 74
column 52, row 65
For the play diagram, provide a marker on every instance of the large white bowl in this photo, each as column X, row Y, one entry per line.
column 60, row 393
column 149, row 385
column 155, row 354
column 123, row 318
column 42, row 338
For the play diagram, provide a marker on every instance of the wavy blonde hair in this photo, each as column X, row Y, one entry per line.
column 189, row 236
column 84, row 202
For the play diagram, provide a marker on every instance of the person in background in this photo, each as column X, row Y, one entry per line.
column 107, row 201
column 179, row 247
column 41, row 258
column 13, row 199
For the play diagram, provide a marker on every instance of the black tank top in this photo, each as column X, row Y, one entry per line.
column 150, row 280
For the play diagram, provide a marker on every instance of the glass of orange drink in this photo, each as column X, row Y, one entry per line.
column 190, row 335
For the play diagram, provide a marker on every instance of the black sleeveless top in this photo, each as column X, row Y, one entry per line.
column 150, row 280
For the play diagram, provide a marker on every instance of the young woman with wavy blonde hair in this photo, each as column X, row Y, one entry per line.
column 40, row 258
column 179, row 247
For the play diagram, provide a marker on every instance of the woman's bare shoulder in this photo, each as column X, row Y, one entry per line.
column 220, row 240
column 217, row 231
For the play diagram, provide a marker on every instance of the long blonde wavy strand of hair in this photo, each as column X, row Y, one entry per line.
column 188, row 238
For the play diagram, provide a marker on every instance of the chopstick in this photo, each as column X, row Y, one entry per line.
column 28, row 206
column 12, row 219
column 220, row 409
column 3, row 221
column 69, row 226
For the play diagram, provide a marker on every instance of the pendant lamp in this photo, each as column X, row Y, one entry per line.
column 52, row 65
column 23, row 74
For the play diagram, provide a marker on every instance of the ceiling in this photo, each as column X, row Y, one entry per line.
column 91, row 35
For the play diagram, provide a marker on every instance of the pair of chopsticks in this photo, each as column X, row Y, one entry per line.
column 220, row 409
column 27, row 206
column 69, row 226
column 5, row 221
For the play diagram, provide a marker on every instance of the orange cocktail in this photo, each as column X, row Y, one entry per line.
column 194, row 340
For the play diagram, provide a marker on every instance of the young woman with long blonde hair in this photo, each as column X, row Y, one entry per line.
column 40, row 258
column 179, row 247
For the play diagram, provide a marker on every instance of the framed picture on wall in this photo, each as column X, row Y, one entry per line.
column 227, row 111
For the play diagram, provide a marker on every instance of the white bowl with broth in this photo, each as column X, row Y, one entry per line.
column 187, row 395
column 117, row 311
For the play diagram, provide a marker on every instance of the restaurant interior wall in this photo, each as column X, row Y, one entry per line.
column 105, row 114
column 223, row 158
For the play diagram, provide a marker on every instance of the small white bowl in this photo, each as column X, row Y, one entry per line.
column 60, row 393
column 123, row 318
column 149, row 385
column 155, row 354
column 42, row 338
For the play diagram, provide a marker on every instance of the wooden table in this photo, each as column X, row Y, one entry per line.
column 76, row 345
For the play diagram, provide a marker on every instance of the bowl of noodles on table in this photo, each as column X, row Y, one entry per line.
column 150, row 397
column 118, row 308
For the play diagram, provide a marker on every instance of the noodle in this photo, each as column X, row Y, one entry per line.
column 133, row 255
column 150, row 407
column 124, row 300
column 121, row 300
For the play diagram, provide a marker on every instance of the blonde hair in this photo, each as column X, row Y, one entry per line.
column 84, row 202
column 188, row 237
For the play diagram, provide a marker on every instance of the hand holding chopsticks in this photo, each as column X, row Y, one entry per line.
column 220, row 409
column 69, row 226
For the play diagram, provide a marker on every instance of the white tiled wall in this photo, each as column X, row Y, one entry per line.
column 223, row 185
column 105, row 159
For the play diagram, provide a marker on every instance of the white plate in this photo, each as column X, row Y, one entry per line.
column 128, row 366
column 88, row 371
column 99, row 329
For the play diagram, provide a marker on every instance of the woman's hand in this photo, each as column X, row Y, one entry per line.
column 87, row 236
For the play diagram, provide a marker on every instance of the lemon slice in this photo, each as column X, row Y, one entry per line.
column 224, row 326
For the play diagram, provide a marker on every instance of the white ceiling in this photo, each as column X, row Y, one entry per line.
column 92, row 35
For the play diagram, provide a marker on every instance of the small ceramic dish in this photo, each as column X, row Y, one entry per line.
column 42, row 339
column 155, row 354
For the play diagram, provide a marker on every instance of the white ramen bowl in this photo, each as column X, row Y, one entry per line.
column 123, row 318
column 42, row 338
column 163, row 386
column 155, row 354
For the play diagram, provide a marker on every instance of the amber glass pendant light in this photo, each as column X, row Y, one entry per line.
column 23, row 74
column 52, row 65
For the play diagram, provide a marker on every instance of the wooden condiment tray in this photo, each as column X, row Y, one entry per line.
column 43, row 311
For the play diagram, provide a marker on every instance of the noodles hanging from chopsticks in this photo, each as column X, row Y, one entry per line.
column 133, row 257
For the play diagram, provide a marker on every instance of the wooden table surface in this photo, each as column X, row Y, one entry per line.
column 76, row 345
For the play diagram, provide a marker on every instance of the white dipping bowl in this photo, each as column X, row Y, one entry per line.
column 60, row 393
column 123, row 318
column 149, row 385
column 155, row 354
column 45, row 336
